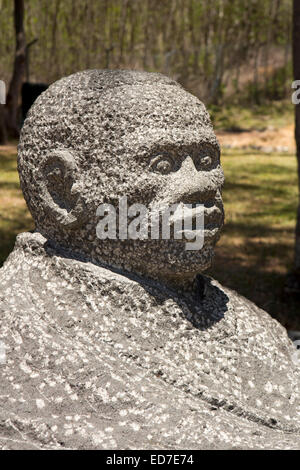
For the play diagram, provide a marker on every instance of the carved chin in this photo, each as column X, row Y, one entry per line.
column 179, row 260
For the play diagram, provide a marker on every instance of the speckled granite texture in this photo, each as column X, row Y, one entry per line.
column 120, row 344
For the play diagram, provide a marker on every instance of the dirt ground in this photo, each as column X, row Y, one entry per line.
column 269, row 140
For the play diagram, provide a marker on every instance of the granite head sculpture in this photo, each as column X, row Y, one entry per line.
column 97, row 136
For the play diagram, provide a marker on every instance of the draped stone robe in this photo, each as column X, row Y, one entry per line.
column 96, row 359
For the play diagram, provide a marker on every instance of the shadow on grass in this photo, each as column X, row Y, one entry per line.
column 250, row 230
column 244, row 189
column 256, row 268
column 8, row 165
column 9, row 229
column 8, row 161
column 9, row 185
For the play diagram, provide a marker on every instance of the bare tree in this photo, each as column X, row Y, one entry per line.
column 210, row 47
column 293, row 279
column 3, row 133
column 296, row 65
column 19, row 70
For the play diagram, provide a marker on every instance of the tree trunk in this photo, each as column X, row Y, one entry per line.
column 14, row 91
column 296, row 65
column 3, row 133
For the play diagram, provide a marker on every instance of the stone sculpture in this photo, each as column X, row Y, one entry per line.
column 124, row 344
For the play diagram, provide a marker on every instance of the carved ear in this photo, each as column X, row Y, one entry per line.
column 61, row 188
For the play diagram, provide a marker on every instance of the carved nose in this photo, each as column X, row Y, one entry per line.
column 194, row 186
column 188, row 166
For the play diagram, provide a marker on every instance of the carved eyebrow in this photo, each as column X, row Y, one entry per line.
column 210, row 146
column 157, row 151
column 178, row 151
column 212, row 150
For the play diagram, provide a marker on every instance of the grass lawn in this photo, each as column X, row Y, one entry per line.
column 258, row 117
column 14, row 216
column 256, row 249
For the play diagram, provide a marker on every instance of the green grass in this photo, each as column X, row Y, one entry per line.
column 14, row 216
column 241, row 118
column 256, row 248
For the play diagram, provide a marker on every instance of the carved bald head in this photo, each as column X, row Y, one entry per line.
column 96, row 136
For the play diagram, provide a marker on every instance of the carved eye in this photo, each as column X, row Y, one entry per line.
column 163, row 164
column 206, row 161
column 203, row 162
column 55, row 173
